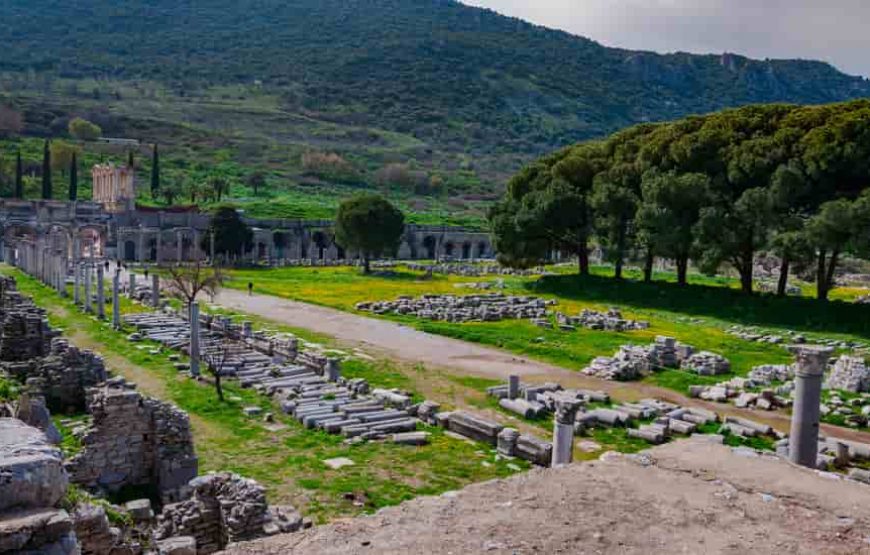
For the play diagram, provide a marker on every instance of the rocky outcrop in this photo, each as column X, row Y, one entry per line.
column 32, row 483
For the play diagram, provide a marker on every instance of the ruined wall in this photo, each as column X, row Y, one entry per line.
column 135, row 441
column 24, row 330
column 224, row 508
column 62, row 377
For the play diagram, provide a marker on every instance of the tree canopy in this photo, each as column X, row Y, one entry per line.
column 232, row 236
column 370, row 225
column 717, row 189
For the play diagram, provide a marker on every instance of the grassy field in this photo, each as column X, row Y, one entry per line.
column 289, row 460
column 698, row 315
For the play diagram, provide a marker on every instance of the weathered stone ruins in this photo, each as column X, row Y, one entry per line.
column 46, row 235
column 128, row 440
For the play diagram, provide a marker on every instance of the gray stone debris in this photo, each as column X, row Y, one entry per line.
column 224, row 508
column 632, row 362
column 849, row 373
column 471, row 308
column 612, row 320
column 706, row 363
column 32, row 482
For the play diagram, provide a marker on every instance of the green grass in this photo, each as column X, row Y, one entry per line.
column 70, row 444
column 8, row 389
column 288, row 462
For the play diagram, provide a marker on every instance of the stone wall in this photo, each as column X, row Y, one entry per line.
column 135, row 441
column 62, row 377
column 24, row 330
column 224, row 508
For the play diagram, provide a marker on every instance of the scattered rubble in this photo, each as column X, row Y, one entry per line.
column 492, row 307
column 632, row 362
column 849, row 373
column 612, row 320
column 224, row 508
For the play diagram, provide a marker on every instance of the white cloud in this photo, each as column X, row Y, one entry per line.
column 834, row 31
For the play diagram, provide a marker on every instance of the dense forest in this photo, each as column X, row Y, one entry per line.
column 455, row 76
column 717, row 190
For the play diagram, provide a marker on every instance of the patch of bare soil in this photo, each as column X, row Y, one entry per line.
column 685, row 497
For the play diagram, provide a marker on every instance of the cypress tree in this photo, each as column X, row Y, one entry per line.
column 131, row 163
column 46, row 172
column 73, row 179
column 19, row 178
column 155, row 173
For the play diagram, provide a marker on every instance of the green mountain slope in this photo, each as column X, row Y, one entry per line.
column 449, row 74
column 462, row 96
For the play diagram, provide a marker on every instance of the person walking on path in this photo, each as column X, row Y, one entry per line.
column 250, row 289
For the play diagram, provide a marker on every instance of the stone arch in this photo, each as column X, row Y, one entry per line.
column 430, row 243
column 449, row 248
column 482, row 249
column 129, row 249
column 321, row 243
column 466, row 250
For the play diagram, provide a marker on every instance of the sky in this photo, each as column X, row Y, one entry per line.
column 835, row 31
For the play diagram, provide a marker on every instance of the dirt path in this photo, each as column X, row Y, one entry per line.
column 686, row 497
column 399, row 342
column 390, row 338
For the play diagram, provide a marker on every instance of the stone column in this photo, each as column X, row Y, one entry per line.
column 61, row 275
column 194, row 339
column 155, row 290
column 141, row 252
column 116, row 300
column 101, row 293
column 332, row 370
column 803, row 443
column 247, row 330
column 563, row 432
column 513, row 387
column 211, row 246
column 132, row 290
column 178, row 246
column 77, row 281
column 88, row 306
column 159, row 257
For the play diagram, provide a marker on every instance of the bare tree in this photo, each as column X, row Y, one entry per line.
column 216, row 358
column 189, row 280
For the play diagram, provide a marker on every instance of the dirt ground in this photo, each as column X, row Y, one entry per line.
column 685, row 497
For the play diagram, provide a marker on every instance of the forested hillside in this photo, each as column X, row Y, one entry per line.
column 441, row 70
column 461, row 97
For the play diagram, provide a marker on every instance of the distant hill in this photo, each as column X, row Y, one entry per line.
column 457, row 96
column 449, row 74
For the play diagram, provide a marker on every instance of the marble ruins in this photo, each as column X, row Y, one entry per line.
column 127, row 440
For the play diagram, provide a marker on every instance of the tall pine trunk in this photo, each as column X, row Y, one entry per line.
column 784, row 268
column 682, row 270
column 620, row 253
column 648, row 263
column 821, row 276
column 583, row 256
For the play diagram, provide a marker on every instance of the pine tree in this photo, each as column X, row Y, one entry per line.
column 155, row 173
column 19, row 178
column 73, row 179
column 46, row 172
